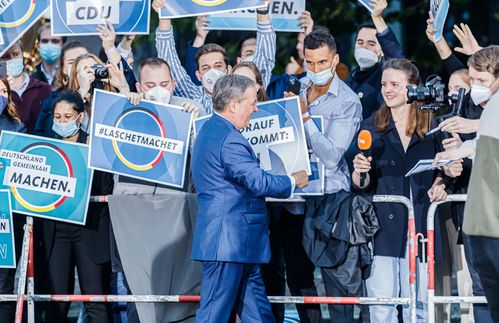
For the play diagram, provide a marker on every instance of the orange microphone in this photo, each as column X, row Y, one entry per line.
column 364, row 141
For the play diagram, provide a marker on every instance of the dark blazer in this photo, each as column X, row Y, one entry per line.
column 29, row 104
column 96, row 229
column 367, row 83
column 232, row 223
column 39, row 75
column 389, row 166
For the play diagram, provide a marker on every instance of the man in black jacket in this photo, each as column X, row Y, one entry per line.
column 374, row 44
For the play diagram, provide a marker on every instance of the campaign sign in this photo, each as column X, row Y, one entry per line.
column 277, row 136
column 81, row 17
column 368, row 5
column 284, row 14
column 149, row 141
column 439, row 10
column 17, row 16
column 7, row 245
column 316, row 179
column 48, row 178
column 189, row 8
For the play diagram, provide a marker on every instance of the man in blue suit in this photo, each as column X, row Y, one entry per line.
column 231, row 235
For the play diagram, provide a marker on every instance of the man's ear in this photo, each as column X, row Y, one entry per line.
column 231, row 107
column 138, row 87
column 199, row 76
column 238, row 60
column 173, row 83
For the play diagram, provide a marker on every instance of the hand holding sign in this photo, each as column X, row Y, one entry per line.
column 301, row 179
column 306, row 22
column 379, row 7
column 157, row 5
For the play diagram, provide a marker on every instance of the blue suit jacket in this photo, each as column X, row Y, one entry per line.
column 232, row 223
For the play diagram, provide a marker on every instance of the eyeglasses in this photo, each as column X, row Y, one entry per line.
column 55, row 41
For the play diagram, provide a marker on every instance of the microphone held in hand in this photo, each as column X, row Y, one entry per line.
column 364, row 142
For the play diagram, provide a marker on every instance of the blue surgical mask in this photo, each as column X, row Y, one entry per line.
column 15, row 67
column 320, row 78
column 50, row 52
column 3, row 103
column 66, row 129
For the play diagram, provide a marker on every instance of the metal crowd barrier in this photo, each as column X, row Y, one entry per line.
column 432, row 299
column 27, row 272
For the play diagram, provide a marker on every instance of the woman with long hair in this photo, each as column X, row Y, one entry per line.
column 10, row 121
column 250, row 70
column 399, row 141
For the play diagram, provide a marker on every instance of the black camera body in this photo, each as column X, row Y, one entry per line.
column 100, row 71
column 432, row 94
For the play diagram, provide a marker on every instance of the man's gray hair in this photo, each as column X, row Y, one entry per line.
column 229, row 87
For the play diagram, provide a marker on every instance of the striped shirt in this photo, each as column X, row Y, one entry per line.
column 342, row 113
column 264, row 60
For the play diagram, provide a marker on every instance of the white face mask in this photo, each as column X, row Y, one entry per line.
column 480, row 94
column 365, row 58
column 249, row 58
column 159, row 94
column 210, row 78
column 320, row 78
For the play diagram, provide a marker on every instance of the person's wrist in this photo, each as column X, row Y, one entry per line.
column 262, row 11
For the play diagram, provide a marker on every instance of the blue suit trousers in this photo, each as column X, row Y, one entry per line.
column 228, row 287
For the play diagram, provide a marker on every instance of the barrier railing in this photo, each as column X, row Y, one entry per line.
column 31, row 297
column 432, row 299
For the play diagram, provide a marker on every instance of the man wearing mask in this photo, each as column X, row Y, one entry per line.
column 49, row 48
column 212, row 61
column 374, row 44
column 324, row 94
column 28, row 92
column 157, row 84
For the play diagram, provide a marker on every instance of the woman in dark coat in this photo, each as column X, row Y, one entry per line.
column 398, row 142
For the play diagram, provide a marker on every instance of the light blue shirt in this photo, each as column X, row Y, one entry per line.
column 342, row 112
column 264, row 60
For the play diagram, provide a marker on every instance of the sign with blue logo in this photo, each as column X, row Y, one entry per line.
column 316, row 179
column 284, row 16
column 277, row 136
column 368, row 5
column 438, row 11
column 7, row 244
column 17, row 16
column 189, row 8
column 48, row 178
column 81, row 17
column 149, row 141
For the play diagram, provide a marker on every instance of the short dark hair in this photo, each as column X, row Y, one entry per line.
column 154, row 61
column 242, row 41
column 44, row 27
column 73, row 98
column 366, row 25
column 211, row 48
column 319, row 38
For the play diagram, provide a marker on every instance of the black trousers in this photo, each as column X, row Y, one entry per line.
column 68, row 251
column 485, row 259
column 289, row 262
